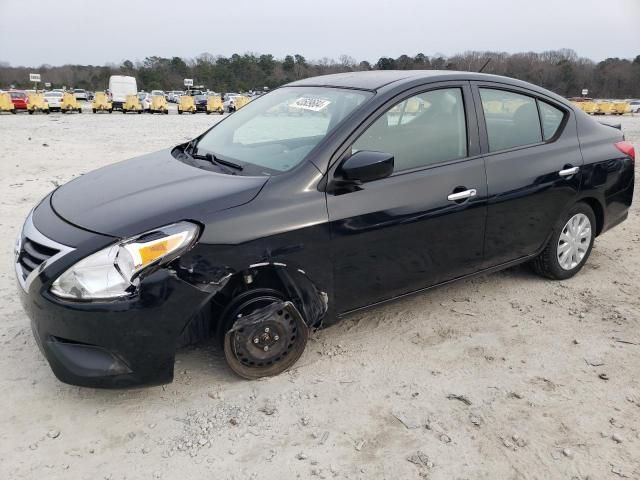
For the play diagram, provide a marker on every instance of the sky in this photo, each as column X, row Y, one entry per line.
column 36, row 32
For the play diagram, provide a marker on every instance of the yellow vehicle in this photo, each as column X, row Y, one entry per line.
column 6, row 105
column 158, row 104
column 590, row 107
column 101, row 103
column 69, row 103
column 604, row 107
column 132, row 104
column 37, row 103
column 214, row 105
column 580, row 105
column 240, row 101
column 620, row 108
column 186, row 104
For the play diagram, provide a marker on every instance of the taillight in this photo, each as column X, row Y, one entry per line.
column 627, row 149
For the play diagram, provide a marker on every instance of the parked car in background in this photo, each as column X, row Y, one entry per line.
column 635, row 106
column 54, row 99
column 19, row 99
column 230, row 102
column 80, row 94
column 120, row 86
column 145, row 101
column 174, row 96
column 201, row 102
column 158, row 92
column 90, row 95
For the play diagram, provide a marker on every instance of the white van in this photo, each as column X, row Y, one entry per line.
column 119, row 87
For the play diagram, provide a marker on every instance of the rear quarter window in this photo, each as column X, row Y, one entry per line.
column 551, row 118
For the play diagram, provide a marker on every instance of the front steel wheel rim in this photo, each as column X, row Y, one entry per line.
column 574, row 241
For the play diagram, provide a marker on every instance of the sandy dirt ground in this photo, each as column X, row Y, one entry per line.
column 504, row 376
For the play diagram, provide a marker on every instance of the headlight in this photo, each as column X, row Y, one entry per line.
column 114, row 271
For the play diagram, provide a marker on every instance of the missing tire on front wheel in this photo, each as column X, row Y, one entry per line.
column 266, row 341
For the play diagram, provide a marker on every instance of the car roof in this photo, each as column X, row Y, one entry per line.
column 376, row 79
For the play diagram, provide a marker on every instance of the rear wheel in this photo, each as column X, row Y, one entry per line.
column 179, row 112
column 30, row 112
column 264, row 335
column 570, row 244
column 94, row 110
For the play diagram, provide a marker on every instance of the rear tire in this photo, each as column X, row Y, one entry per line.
column 569, row 246
column 94, row 110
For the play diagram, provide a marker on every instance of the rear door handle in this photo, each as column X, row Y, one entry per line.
column 567, row 172
column 454, row 197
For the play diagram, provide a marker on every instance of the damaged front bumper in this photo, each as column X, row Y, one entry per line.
column 117, row 343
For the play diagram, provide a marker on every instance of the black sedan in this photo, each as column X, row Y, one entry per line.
column 323, row 197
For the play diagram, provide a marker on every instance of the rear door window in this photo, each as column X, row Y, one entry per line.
column 512, row 119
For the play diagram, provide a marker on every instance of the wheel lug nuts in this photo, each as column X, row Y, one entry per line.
column 256, row 340
column 266, row 348
column 266, row 329
column 276, row 338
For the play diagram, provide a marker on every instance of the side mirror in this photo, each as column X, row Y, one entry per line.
column 366, row 166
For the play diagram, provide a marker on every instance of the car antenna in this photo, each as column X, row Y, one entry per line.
column 485, row 64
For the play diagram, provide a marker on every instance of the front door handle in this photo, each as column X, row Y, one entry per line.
column 567, row 172
column 454, row 197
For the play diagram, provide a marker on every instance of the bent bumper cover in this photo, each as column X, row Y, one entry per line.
column 117, row 343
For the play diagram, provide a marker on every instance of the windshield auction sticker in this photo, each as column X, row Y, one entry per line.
column 310, row 103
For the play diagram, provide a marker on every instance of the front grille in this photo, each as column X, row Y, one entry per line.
column 32, row 255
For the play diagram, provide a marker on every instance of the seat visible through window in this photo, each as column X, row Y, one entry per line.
column 425, row 129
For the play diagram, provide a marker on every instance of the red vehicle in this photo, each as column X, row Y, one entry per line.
column 19, row 100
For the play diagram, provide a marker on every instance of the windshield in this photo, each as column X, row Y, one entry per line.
column 276, row 131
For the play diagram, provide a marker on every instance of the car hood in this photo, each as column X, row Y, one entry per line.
column 137, row 195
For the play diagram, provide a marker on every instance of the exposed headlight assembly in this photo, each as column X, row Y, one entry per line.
column 115, row 270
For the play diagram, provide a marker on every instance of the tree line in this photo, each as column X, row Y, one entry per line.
column 561, row 71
